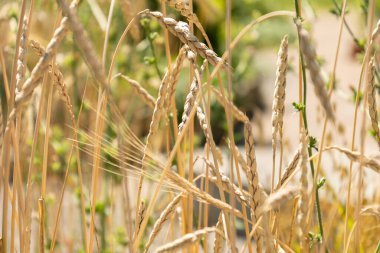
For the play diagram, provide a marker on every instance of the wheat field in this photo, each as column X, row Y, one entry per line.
column 189, row 126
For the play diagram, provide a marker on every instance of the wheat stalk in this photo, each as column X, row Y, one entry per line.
column 316, row 73
column 371, row 98
column 304, row 200
column 164, row 216
column 185, row 240
column 182, row 31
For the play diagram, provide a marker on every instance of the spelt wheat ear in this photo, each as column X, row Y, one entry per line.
column 175, row 76
column 304, row 200
column 185, row 240
column 290, row 168
column 165, row 215
column 181, row 30
column 227, row 184
column 278, row 106
column 191, row 96
column 58, row 79
column 369, row 162
column 239, row 115
column 143, row 93
column 21, row 59
column 253, row 182
column 279, row 198
column 317, row 76
column 31, row 83
column 371, row 98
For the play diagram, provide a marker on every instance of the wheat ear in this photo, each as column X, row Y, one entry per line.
column 304, row 200
column 218, row 242
column 43, row 63
column 253, row 181
column 21, row 59
column 164, row 216
column 227, row 184
column 175, row 76
column 185, row 240
column 239, row 115
column 58, row 79
column 181, row 30
column 316, row 74
column 355, row 156
column 185, row 10
column 279, row 198
column 371, row 98
column 290, row 168
column 191, row 96
column 278, row 106
column 143, row 93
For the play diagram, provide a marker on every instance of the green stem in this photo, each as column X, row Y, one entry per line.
column 377, row 250
column 304, row 117
column 147, row 34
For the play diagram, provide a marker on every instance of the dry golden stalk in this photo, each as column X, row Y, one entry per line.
column 370, row 162
column 371, row 98
column 174, row 76
column 304, row 200
column 143, row 93
column 185, row 240
column 239, row 115
column 279, row 94
column 218, row 242
column 290, row 168
column 316, row 74
column 83, row 42
column 41, row 212
column 253, row 181
column 43, row 63
column 181, row 30
column 279, row 198
column 21, row 59
column 164, row 216
column 58, row 79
